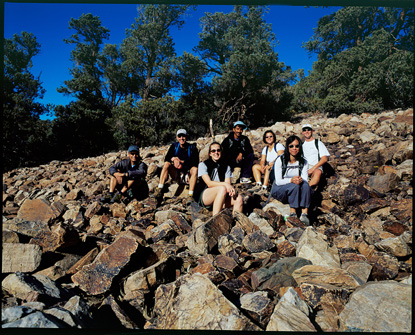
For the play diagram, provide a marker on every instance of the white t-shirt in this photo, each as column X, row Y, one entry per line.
column 202, row 170
column 292, row 171
column 311, row 153
column 272, row 154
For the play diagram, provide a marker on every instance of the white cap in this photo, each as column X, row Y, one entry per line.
column 307, row 125
column 181, row 131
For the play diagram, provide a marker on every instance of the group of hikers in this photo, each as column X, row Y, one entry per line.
column 290, row 173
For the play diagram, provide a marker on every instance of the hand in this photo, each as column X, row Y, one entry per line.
column 297, row 180
column 310, row 171
column 176, row 162
column 231, row 191
column 263, row 168
column 239, row 158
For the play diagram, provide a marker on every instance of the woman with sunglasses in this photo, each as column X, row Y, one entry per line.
column 291, row 173
column 269, row 154
column 215, row 181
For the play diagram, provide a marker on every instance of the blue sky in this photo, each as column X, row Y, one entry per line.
column 49, row 22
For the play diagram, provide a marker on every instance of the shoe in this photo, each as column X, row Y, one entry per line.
column 256, row 188
column 235, row 173
column 116, row 198
column 245, row 180
column 293, row 215
column 106, row 198
column 304, row 219
column 158, row 193
column 189, row 200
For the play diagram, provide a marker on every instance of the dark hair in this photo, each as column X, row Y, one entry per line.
column 268, row 131
column 299, row 156
column 210, row 146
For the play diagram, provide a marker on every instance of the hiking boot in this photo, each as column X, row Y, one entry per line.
column 304, row 219
column 293, row 215
column 189, row 200
column 106, row 198
column 236, row 173
column 158, row 193
column 245, row 180
column 116, row 198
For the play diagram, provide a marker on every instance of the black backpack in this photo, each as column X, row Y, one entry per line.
column 284, row 168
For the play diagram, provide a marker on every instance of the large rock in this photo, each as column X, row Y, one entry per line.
column 20, row 257
column 318, row 274
column 313, row 247
column 97, row 277
column 178, row 307
column 205, row 237
column 384, row 306
column 36, row 210
column 291, row 314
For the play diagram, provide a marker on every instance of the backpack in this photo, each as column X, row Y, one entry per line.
column 189, row 149
column 275, row 149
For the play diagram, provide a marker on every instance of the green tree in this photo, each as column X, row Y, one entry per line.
column 365, row 62
column 23, row 131
column 148, row 49
column 248, row 80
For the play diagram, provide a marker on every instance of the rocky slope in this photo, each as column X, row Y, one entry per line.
column 69, row 260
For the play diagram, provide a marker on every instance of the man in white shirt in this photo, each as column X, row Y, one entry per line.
column 316, row 154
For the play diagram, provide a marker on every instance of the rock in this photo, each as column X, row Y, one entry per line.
column 257, row 241
column 384, row 183
column 384, row 266
column 290, row 314
column 87, row 259
column 36, row 210
column 177, row 307
column 227, row 243
column 97, row 277
column 80, row 310
column 63, row 315
column 383, row 306
column 317, row 274
column 10, row 237
column 20, row 257
column 283, row 269
column 123, row 318
column 312, row 246
column 55, row 238
column 394, row 245
column 43, row 288
column 262, row 224
column 202, row 239
column 357, row 265
column 355, row 195
column 36, row 320
column 258, row 306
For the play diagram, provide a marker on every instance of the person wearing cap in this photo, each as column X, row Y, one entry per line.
column 128, row 177
column 316, row 153
column 180, row 163
column 238, row 152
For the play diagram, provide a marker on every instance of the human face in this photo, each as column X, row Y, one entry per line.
column 133, row 156
column 269, row 138
column 215, row 152
column 294, row 148
column 307, row 132
column 181, row 138
column 238, row 131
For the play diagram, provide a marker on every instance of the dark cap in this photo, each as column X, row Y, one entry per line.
column 133, row 148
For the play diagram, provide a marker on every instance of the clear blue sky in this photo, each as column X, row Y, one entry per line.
column 292, row 26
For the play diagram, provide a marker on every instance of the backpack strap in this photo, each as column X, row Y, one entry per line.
column 318, row 151
column 177, row 149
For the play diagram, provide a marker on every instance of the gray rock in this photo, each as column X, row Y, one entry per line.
column 36, row 320
column 384, row 306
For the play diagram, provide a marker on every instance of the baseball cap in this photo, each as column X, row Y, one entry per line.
column 133, row 148
column 181, row 131
column 307, row 125
column 239, row 123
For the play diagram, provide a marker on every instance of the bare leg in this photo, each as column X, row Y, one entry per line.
column 193, row 178
column 215, row 196
column 237, row 203
column 266, row 177
column 164, row 173
column 315, row 177
column 256, row 170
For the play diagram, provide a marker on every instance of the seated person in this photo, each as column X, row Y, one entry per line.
column 316, row 153
column 180, row 163
column 128, row 177
column 215, row 175
column 238, row 152
column 291, row 173
column 269, row 154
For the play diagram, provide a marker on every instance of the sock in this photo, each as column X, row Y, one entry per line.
column 258, row 183
column 190, row 192
column 263, row 186
column 161, row 185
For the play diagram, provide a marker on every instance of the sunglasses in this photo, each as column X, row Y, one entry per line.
column 307, row 129
column 181, row 135
column 269, row 136
column 294, row 146
column 215, row 150
column 134, row 154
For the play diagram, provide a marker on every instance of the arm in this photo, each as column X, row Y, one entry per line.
column 170, row 154
column 118, row 169
column 227, row 183
column 279, row 180
column 141, row 171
